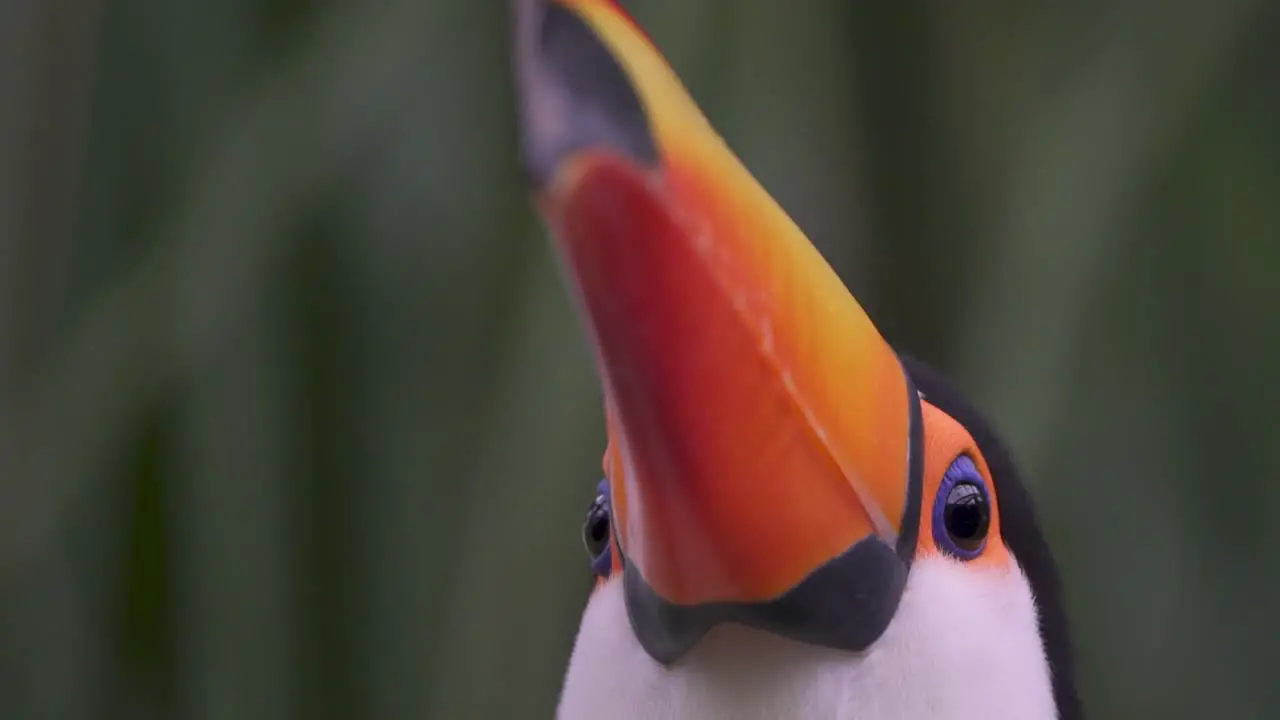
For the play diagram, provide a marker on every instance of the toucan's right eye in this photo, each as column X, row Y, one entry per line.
column 595, row 531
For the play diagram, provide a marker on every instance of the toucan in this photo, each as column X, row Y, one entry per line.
column 796, row 520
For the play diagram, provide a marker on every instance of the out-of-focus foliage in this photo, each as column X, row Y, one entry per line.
column 294, row 416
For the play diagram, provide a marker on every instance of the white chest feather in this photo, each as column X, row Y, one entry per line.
column 963, row 644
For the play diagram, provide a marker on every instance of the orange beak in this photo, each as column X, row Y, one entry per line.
column 764, row 439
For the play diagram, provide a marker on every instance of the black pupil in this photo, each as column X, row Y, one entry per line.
column 595, row 532
column 967, row 515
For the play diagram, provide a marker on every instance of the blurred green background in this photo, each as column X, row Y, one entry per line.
column 295, row 421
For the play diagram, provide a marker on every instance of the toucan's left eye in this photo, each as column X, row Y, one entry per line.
column 595, row 531
column 962, row 511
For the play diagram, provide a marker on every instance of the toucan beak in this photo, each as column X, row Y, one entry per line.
column 763, row 435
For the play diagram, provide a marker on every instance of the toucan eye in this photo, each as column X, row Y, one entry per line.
column 962, row 510
column 595, row 531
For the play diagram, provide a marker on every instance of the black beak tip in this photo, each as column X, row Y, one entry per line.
column 571, row 92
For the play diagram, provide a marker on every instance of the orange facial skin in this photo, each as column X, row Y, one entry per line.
column 946, row 440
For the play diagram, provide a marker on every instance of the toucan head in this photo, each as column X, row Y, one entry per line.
column 773, row 464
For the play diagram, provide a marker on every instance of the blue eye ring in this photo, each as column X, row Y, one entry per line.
column 596, row 530
column 962, row 510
